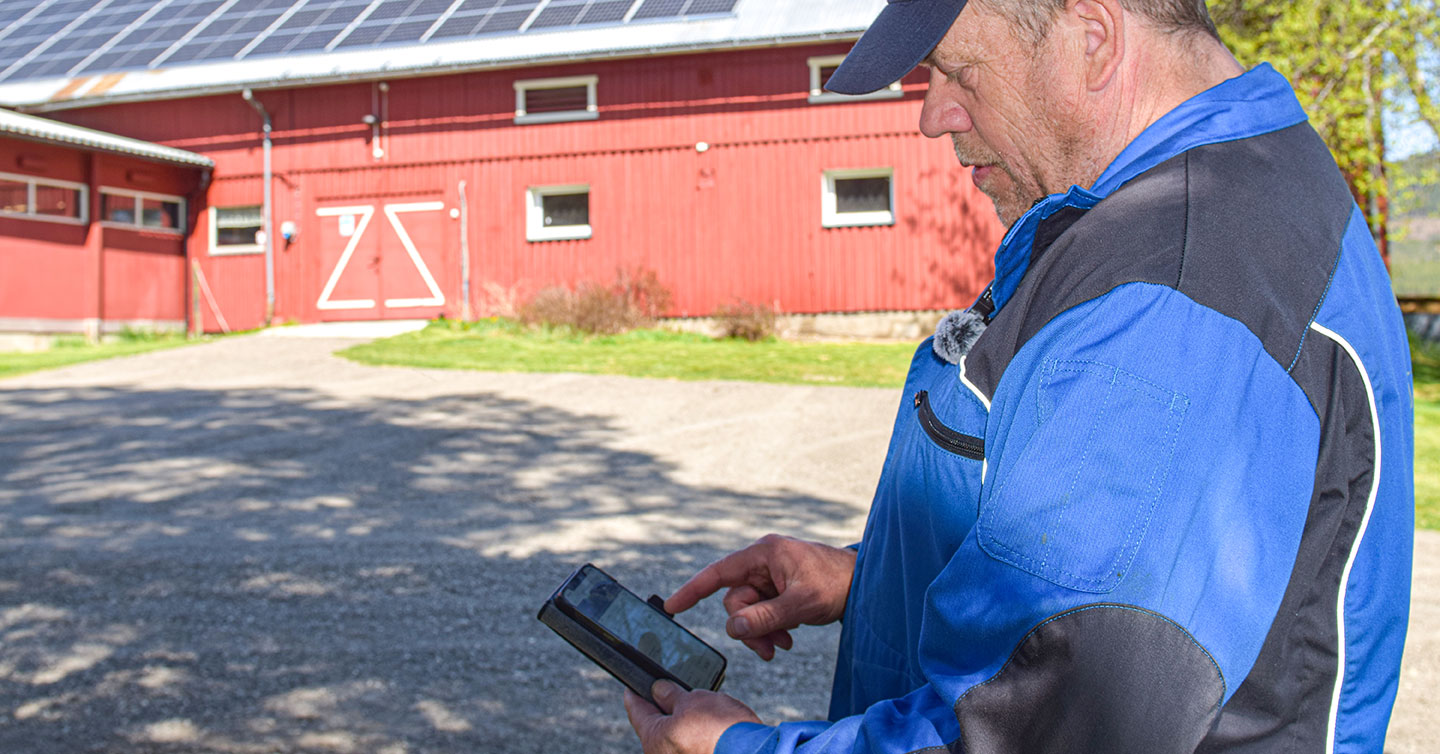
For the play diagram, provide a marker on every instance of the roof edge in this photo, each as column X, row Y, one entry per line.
column 420, row 71
column 34, row 128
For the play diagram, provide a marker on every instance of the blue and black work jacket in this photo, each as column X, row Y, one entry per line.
column 1165, row 502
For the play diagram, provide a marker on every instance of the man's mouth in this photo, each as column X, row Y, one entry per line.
column 979, row 173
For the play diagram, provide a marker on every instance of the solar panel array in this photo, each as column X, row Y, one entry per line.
column 65, row 38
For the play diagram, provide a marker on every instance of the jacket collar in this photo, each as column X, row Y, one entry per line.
column 1257, row 102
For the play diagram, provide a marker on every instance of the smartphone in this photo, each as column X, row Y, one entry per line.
column 636, row 641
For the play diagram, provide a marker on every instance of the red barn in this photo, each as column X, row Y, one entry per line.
column 419, row 159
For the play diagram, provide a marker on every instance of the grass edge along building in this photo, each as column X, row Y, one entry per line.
column 408, row 180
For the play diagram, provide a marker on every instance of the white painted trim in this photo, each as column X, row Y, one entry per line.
column 140, row 197
column 216, row 250
column 818, row 95
column 1359, row 536
column 324, row 301
column 830, row 217
column 437, row 298
column 535, row 229
column 591, row 111
column 30, row 212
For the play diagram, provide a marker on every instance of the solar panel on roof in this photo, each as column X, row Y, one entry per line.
column 56, row 38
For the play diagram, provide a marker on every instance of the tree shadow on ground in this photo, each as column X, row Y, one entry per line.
column 282, row 571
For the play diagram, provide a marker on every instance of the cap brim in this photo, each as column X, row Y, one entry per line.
column 901, row 36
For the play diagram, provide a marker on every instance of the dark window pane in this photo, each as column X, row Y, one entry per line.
column 236, row 236
column 115, row 208
column 237, row 226
column 862, row 194
column 56, row 201
column 159, row 213
column 566, row 209
column 14, row 196
column 560, row 100
column 826, row 71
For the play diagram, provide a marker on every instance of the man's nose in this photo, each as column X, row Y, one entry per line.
column 942, row 114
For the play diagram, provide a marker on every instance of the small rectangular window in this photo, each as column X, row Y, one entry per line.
column 142, row 211
column 857, row 197
column 14, row 197
column 556, row 100
column 235, row 230
column 43, row 199
column 558, row 212
column 117, row 208
column 58, row 201
column 822, row 68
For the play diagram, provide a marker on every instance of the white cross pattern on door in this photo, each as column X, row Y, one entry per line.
column 392, row 213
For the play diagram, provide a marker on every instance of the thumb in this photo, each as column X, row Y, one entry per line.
column 665, row 694
column 762, row 618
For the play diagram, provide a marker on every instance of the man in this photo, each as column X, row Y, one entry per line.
column 1163, row 502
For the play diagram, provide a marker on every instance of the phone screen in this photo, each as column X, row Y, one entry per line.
column 630, row 619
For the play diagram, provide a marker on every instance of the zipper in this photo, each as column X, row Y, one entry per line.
column 956, row 442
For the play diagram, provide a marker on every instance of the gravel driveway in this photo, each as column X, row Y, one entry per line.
column 253, row 546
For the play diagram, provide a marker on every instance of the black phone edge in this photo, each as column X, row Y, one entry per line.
column 581, row 632
column 625, row 649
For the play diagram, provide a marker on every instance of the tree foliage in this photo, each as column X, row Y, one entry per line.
column 1349, row 61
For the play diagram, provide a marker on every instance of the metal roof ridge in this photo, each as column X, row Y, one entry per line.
column 35, row 127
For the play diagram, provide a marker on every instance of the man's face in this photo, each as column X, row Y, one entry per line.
column 1000, row 99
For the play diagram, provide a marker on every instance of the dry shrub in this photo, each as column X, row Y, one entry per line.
column 552, row 306
column 633, row 300
column 746, row 320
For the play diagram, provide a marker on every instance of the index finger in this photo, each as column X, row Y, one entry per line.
column 731, row 570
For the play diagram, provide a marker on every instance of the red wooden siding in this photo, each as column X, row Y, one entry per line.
column 739, row 220
column 80, row 277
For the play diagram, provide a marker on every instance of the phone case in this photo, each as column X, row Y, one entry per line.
column 632, row 675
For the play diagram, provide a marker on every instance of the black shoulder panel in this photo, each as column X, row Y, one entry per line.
column 1249, row 228
column 1100, row 679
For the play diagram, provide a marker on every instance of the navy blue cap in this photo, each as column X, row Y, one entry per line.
column 901, row 36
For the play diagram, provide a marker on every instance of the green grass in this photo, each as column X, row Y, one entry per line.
column 1426, row 359
column 503, row 346
column 74, row 350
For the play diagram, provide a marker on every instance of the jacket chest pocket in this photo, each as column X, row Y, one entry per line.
column 950, row 440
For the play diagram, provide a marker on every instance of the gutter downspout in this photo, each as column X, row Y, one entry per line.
column 266, row 210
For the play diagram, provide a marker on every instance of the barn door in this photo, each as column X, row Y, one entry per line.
column 384, row 259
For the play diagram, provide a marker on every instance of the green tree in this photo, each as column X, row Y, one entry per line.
column 1349, row 61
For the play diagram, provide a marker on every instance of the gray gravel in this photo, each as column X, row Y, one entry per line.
column 254, row 546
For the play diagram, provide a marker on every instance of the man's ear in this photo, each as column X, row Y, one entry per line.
column 1102, row 24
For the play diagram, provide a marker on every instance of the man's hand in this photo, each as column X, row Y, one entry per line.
column 683, row 722
column 776, row 584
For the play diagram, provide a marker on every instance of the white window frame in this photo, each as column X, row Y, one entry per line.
column 831, row 218
column 31, row 182
column 535, row 228
column 216, row 250
column 139, row 197
column 819, row 96
column 591, row 111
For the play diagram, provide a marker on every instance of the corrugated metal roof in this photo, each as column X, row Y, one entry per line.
column 44, row 129
column 755, row 23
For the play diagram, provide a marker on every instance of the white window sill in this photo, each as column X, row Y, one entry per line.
column 45, row 218
column 236, row 251
column 143, row 228
column 559, row 233
column 824, row 97
column 562, row 117
column 858, row 219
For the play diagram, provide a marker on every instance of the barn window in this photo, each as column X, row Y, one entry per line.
column 43, row 199
column 822, row 68
column 235, row 230
column 555, row 100
column 142, row 211
column 555, row 213
column 857, row 197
